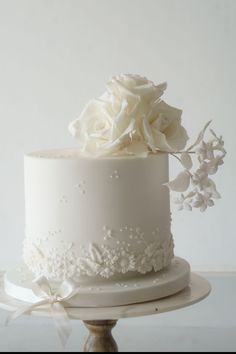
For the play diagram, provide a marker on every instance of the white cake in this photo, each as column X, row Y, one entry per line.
column 102, row 210
column 99, row 214
column 103, row 217
column 98, row 221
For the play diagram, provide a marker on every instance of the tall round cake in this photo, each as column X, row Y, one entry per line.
column 104, row 217
column 102, row 210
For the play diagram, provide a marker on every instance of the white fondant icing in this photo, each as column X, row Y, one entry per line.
column 111, row 230
column 105, row 260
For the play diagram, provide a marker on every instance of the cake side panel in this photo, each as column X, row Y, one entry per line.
column 97, row 217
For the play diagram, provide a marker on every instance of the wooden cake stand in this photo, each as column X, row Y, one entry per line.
column 101, row 321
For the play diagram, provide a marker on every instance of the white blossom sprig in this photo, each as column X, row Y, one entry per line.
column 200, row 190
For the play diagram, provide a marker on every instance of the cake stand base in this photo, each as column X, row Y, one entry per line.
column 100, row 338
column 151, row 286
column 101, row 321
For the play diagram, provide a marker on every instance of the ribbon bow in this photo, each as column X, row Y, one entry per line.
column 42, row 289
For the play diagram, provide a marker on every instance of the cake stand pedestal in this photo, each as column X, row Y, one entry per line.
column 101, row 321
column 100, row 337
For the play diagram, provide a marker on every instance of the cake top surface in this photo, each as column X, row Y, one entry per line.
column 74, row 153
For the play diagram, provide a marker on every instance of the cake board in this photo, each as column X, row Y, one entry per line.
column 152, row 286
column 101, row 321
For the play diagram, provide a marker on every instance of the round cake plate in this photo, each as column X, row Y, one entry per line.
column 198, row 289
column 151, row 286
column 101, row 321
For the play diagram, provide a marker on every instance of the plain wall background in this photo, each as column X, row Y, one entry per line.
column 57, row 54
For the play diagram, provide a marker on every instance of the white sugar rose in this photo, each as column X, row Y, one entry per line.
column 138, row 91
column 102, row 128
column 129, row 118
column 162, row 128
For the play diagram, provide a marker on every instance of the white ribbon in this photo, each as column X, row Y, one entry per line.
column 54, row 299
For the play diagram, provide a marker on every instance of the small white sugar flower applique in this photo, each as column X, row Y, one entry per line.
column 200, row 190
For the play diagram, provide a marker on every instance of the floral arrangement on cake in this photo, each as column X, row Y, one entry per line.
column 131, row 118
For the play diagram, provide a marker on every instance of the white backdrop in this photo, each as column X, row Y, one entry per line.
column 57, row 54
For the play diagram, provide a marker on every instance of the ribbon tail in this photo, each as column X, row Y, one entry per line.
column 22, row 311
column 62, row 322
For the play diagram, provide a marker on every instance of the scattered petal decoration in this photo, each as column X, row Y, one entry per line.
column 210, row 155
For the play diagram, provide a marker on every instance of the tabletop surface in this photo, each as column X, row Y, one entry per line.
column 209, row 325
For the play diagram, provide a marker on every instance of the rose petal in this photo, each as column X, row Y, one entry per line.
column 90, row 110
column 148, row 135
column 166, row 110
column 137, row 148
column 123, row 140
column 179, row 137
column 180, row 183
column 160, row 141
column 120, row 122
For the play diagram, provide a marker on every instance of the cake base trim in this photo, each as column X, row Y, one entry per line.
column 152, row 286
